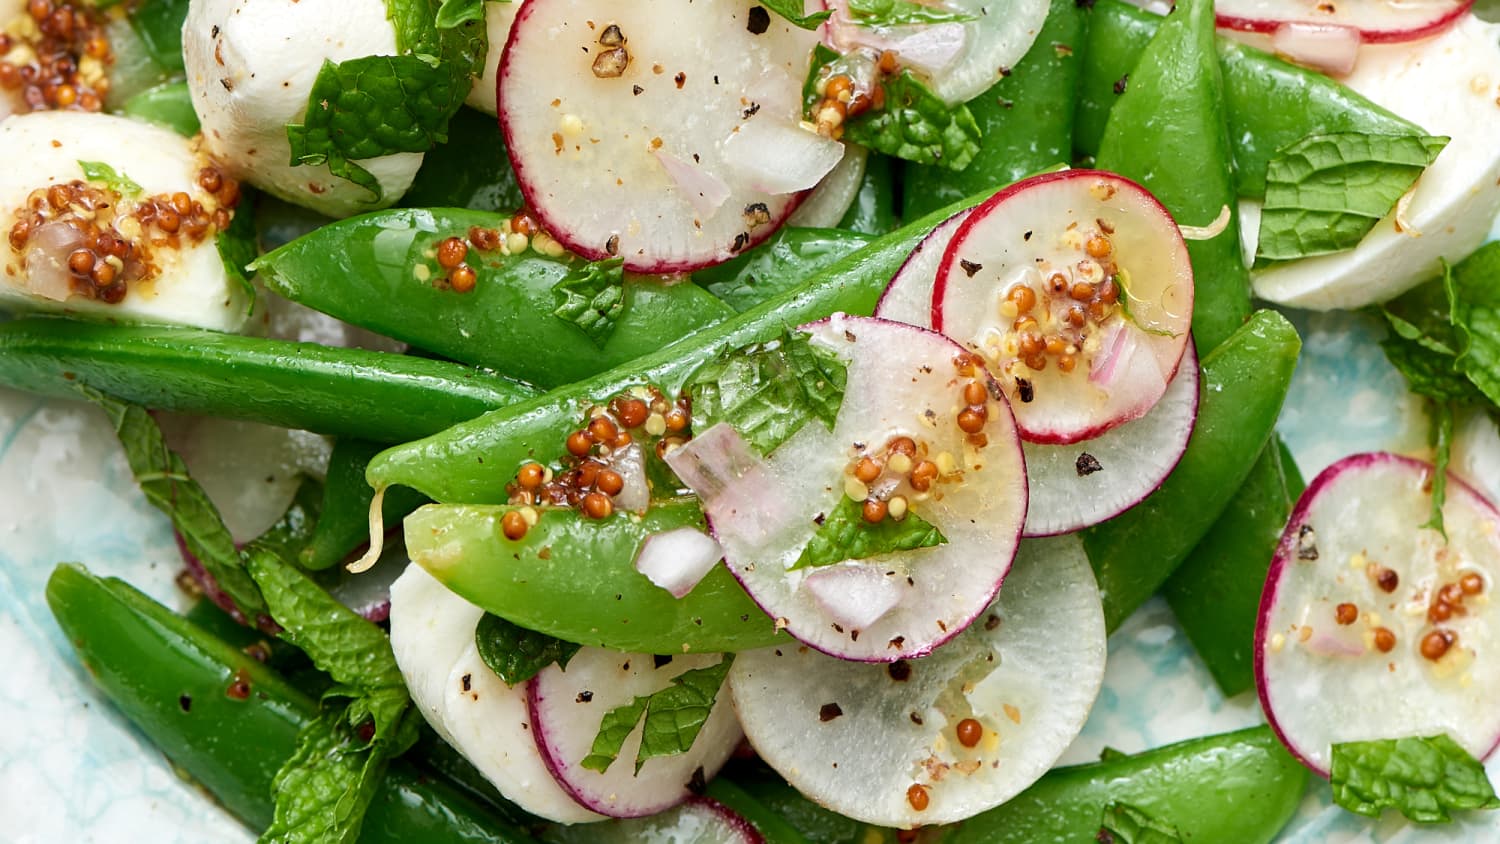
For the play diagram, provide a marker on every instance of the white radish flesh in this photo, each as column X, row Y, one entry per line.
column 902, row 382
column 567, row 706
column 1373, row 627
column 1088, row 262
column 908, row 297
column 432, row 635
column 698, row 821
column 590, row 91
column 826, row 206
column 855, row 738
column 677, row 559
column 1374, row 21
column 498, row 18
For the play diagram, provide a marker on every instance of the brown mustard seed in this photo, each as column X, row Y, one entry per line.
column 579, row 443
column 975, row 393
column 531, row 475
column 969, row 732
column 1471, row 583
column 632, row 413
column 917, row 797
column 513, row 525
column 676, row 420
column 1436, row 643
column 1387, row 579
column 922, row 475
column 1023, row 297
column 1098, row 246
column 902, row 445
column 602, row 429
column 1346, row 614
column 874, row 510
column 971, row 419
column 1385, row 640
column 462, row 278
column 609, row 482
column 451, row 252
column 81, row 262
column 866, row 470
column 596, row 505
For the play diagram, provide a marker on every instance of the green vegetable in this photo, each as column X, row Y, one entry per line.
column 674, row 717
column 1422, row 778
column 845, row 535
column 102, row 174
column 1025, row 119
column 792, row 10
column 169, row 677
column 451, row 13
column 778, row 265
column 352, row 392
column 874, row 209
column 168, row 104
column 812, row 823
column 774, row 828
column 379, row 105
column 1476, row 318
column 239, row 246
column 472, row 170
column 576, row 580
column 883, row 13
column 516, row 654
column 592, row 297
column 344, row 521
column 1124, row 824
column 1237, row 787
column 159, row 25
column 1168, row 132
column 768, row 391
column 365, row 271
column 915, row 124
column 1325, row 192
column 1244, row 382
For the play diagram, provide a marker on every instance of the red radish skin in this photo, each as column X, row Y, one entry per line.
column 1354, row 538
column 693, row 63
column 1429, row 23
column 908, row 297
column 1041, row 232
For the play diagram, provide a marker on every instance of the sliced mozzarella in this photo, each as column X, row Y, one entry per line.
column 855, row 738
column 191, row 287
column 1449, row 85
column 498, row 16
column 250, row 68
column 432, row 634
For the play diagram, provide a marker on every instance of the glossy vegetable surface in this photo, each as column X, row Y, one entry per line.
column 344, row 523
column 786, row 261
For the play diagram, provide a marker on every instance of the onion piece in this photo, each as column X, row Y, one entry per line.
column 779, row 157
column 703, row 190
column 677, row 559
column 929, row 48
column 630, row 464
column 737, row 493
column 47, row 252
column 855, row 596
column 1327, row 47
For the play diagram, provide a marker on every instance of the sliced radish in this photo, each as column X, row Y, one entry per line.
column 961, row 60
column 826, row 206
column 1375, row 21
column 1372, row 626
column 1077, row 289
column 700, row 820
column 908, row 297
column 568, row 705
column 856, row 738
column 432, row 634
column 677, row 559
column 902, row 382
column 621, row 120
column 1084, row 483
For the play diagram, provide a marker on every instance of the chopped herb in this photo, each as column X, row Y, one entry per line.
column 516, row 654
column 917, row 125
column 102, row 174
column 845, row 535
column 1124, row 824
column 674, row 717
column 792, row 10
column 883, row 13
column 1422, row 778
column 239, row 246
column 591, row 297
column 452, row 13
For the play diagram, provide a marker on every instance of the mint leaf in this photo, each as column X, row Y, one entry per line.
column 880, row 13
column 454, row 12
column 1325, row 192
column 915, row 124
column 768, row 391
column 792, row 10
column 1124, row 824
column 674, row 717
column 102, row 174
column 516, row 654
column 239, row 246
column 1440, row 437
column 845, row 535
column 591, row 297
column 1423, row 778
column 1474, row 291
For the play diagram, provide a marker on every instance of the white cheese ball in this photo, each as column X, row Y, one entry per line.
column 250, row 67
column 497, row 20
column 192, row 287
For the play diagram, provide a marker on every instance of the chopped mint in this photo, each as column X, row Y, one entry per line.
column 883, row 13
column 1423, row 778
column 454, row 12
column 516, row 654
column 845, row 535
column 674, row 717
column 591, row 297
column 768, row 391
column 239, row 246
column 1124, row 824
column 792, row 10
column 102, row 174
column 915, row 124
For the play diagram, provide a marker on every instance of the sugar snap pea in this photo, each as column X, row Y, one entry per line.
column 344, row 523
column 789, row 258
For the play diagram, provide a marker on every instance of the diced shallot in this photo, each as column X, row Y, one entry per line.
column 47, row 254
column 853, row 595
column 677, row 559
column 780, row 157
column 635, row 494
column 1327, row 47
column 703, row 189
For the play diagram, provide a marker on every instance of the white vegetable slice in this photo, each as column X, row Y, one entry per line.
column 568, row 705
column 855, row 738
column 1354, row 552
column 432, row 634
column 1375, row 21
column 902, row 382
column 498, row 18
column 908, row 297
column 1448, row 85
column 700, row 820
column 191, row 286
column 677, row 559
column 961, row 60
column 826, row 206
column 590, row 91
column 1084, row 260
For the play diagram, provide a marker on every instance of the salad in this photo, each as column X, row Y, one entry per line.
column 703, row 420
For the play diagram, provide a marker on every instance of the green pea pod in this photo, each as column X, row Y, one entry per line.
column 471, row 170
column 1215, row 593
column 159, row 25
column 575, row 579
column 166, row 105
column 874, row 209
column 170, row 678
column 375, row 271
column 1239, row 787
column 1270, row 103
column 472, row 462
column 344, row 524
column 1026, row 118
column 347, row 392
column 1244, row 383
column 1167, row 131
column 776, row 266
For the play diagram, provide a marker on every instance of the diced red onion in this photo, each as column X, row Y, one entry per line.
column 731, row 483
column 929, row 48
column 677, row 559
column 781, row 157
column 855, row 595
column 47, row 251
column 1326, row 47
column 630, row 464
column 705, row 191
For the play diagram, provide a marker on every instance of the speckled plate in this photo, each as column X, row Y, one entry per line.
column 72, row 769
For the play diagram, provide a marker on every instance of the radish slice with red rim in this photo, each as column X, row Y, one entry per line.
column 1376, row 21
column 855, row 738
column 1084, row 483
column 701, row 820
column 622, row 119
column 1373, row 627
column 1077, row 289
column 826, row 206
column 568, row 705
column 905, row 390
column 908, row 296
